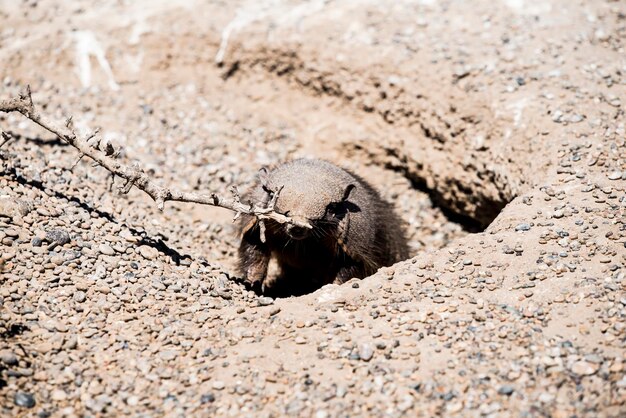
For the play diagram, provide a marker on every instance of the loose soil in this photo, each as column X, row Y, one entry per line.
column 495, row 128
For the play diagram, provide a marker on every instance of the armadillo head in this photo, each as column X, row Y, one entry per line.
column 309, row 187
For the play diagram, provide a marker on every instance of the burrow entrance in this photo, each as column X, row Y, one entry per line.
column 419, row 167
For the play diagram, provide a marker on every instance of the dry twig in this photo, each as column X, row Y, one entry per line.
column 89, row 146
column 6, row 137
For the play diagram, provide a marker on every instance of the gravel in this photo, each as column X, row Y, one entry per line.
column 110, row 307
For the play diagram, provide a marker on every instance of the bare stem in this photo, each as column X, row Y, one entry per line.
column 134, row 175
column 6, row 137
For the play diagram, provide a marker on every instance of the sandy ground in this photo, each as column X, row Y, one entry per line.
column 495, row 128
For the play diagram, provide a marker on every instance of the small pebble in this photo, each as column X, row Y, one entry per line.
column 584, row 368
column 80, row 296
column 506, row 390
column 106, row 249
column 8, row 357
column 366, row 351
column 25, row 400
column 576, row 118
column 147, row 252
column 207, row 398
column 58, row 236
column 274, row 310
column 58, row 395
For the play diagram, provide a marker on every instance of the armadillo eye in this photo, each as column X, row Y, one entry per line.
column 286, row 213
column 331, row 208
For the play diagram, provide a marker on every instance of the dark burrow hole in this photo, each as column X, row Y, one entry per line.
column 489, row 208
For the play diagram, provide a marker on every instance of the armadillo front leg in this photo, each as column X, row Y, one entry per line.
column 348, row 272
column 254, row 257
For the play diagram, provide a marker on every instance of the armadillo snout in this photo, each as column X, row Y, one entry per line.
column 296, row 232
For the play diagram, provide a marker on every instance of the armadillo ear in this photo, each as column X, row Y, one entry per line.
column 346, row 193
column 263, row 178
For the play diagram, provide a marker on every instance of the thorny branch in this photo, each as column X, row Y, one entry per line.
column 104, row 155
column 6, row 137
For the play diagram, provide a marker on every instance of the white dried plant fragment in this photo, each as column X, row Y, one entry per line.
column 87, row 46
